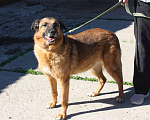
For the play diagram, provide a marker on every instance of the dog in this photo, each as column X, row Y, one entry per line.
column 60, row 56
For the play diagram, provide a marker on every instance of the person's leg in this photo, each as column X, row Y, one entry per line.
column 142, row 55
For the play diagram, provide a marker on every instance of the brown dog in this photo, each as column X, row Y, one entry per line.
column 60, row 56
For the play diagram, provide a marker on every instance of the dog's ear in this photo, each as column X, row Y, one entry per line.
column 35, row 25
column 62, row 26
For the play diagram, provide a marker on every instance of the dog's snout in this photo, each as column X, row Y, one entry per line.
column 52, row 31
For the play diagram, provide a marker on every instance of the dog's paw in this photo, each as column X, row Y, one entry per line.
column 51, row 105
column 119, row 99
column 92, row 94
column 48, row 107
column 61, row 117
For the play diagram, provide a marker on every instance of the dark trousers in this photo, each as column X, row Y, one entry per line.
column 141, row 78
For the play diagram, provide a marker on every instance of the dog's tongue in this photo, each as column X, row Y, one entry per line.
column 48, row 38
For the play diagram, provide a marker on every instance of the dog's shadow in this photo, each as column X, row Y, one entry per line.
column 114, row 105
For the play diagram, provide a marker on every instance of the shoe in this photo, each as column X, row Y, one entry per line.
column 138, row 99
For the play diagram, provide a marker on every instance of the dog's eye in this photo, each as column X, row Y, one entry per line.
column 55, row 25
column 45, row 25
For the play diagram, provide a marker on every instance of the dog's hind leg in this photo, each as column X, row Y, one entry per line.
column 114, row 68
column 97, row 71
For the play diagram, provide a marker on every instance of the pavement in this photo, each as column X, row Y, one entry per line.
column 24, row 96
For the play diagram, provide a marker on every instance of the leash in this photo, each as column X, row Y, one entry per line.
column 110, row 9
column 135, row 14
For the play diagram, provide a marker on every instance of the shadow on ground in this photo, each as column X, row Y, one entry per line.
column 126, row 104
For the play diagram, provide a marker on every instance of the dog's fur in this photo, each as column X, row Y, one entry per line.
column 60, row 56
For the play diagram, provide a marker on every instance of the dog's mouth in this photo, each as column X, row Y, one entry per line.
column 50, row 40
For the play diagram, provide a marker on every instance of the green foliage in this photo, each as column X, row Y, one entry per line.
column 30, row 71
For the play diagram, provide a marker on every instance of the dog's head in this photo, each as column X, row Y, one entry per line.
column 48, row 30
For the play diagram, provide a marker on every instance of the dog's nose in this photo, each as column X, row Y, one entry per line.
column 52, row 32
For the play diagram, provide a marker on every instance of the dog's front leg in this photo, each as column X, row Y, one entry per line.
column 53, row 86
column 64, row 97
